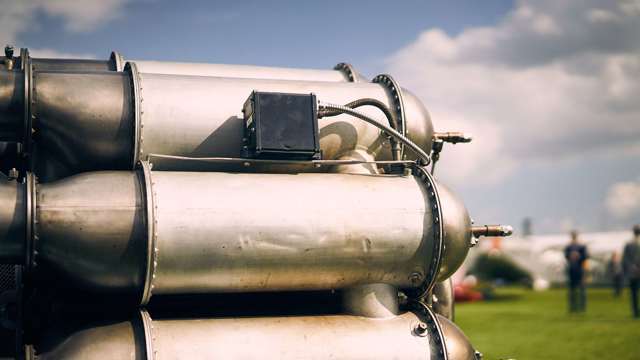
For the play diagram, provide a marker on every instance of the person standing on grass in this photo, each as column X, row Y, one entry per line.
column 576, row 255
column 631, row 267
column 615, row 272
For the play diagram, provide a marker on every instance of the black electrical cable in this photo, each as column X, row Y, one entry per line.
column 423, row 157
column 395, row 146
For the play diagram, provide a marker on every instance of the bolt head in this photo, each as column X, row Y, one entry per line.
column 421, row 329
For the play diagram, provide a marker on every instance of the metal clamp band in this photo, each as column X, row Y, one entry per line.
column 396, row 91
column 438, row 230
column 132, row 69
column 152, row 250
column 25, row 64
column 117, row 60
column 31, row 234
column 149, row 337
column 436, row 335
column 348, row 70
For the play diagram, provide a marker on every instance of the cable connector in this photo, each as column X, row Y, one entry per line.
column 491, row 230
column 453, row 137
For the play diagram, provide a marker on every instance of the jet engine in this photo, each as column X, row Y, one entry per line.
column 175, row 210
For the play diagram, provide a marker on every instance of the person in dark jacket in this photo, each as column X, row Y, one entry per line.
column 616, row 274
column 631, row 267
column 576, row 255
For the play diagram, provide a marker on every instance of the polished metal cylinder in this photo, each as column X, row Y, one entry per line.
column 91, row 230
column 11, row 105
column 146, row 233
column 111, row 120
column 115, row 62
column 217, row 232
column 411, row 335
column 82, row 121
column 342, row 72
column 202, row 114
column 84, row 65
column 13, row 221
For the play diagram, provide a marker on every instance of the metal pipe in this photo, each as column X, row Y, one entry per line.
column 202, row 115
column 491, row 230
column 82, row 121
column 115, row 62
column 96, row 121
column 187, row 233
column 11, row 104
column 418, row 334
column 12, row 221
column 341, row 72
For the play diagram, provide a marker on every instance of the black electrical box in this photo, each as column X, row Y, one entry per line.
column 281, row 126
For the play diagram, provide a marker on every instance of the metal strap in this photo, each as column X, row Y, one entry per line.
column 152, row 249
column 436, row 335
column 398, row 105
column 149, row 336
column 132, row 69
column 348, row 70
column 437, row 239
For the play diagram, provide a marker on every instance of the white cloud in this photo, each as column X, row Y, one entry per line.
column 85, row 15
column 17, row 16
column 623, row 198
column 546, row 84
column 601, row 16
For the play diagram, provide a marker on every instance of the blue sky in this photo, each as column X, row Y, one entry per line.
column 549, row 89
column 283, row 33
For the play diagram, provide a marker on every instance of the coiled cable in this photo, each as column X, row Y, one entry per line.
column 334, row 109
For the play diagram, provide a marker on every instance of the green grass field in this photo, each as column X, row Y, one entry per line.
column 523, row 324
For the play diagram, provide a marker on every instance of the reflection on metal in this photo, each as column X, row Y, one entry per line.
column 341, row 72
column 128, row 189
column 491, row 230
column 372, row 300
column 328, row 231
column 308, row 337
column 110, row 120
column 442, row 299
